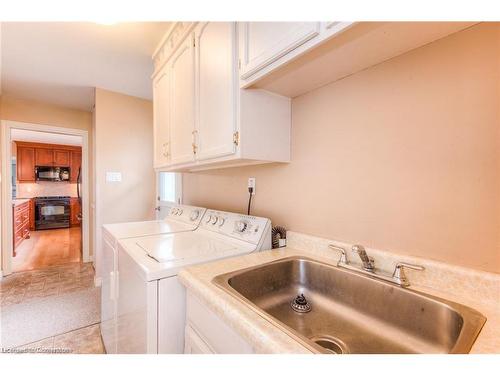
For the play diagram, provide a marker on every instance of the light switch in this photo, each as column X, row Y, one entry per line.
column 113, row 176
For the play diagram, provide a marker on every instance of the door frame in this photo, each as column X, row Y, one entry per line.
column 6, row 191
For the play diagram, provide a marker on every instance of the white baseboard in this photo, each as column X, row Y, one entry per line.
column 97, row 282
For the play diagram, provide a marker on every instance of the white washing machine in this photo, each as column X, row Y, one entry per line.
column 151, row 300
column 179, row 219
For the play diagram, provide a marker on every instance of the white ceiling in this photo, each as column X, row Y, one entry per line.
column 43, row 137
column 61, row 62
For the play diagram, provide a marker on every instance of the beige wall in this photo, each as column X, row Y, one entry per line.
column 42, row 113
column 403, row 157
column 123, row 143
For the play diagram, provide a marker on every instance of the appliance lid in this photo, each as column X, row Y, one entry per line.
column 183, row 246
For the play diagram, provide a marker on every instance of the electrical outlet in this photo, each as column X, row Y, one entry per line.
column 251, row 184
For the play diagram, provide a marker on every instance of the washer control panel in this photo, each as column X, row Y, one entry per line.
column 244, row 227
column 186, row 214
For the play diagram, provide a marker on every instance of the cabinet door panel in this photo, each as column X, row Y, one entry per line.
column 44, row 157
column 216, row 120
column 182, row 125
column 61, row 158
column 265, row 42
column 161, row 107
column 76, row 163
column 25, row 164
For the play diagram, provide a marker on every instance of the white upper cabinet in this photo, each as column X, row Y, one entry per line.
column 266, row 46
column 182, row 128
column 262, row 43
column 161, row 118
column 216, row 83
column 213, row 123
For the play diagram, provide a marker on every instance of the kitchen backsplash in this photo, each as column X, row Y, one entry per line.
column 43, row 189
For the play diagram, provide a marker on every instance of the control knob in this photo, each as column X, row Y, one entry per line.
column 241, row 226
column 209, row 217
column 214, row 220
column 194, row 215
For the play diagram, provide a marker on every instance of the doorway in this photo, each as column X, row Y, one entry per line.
column 45, row 196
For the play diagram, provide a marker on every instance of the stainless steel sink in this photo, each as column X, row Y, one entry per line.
column 351, row 312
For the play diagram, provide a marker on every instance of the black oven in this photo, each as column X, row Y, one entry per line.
column 52, row 212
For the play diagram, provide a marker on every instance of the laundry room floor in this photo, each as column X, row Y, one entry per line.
column 54, row 310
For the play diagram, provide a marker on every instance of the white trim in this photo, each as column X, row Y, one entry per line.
column 6, row 230
column 97, row 281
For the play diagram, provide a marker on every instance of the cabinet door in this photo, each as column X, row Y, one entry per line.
column 61, row 158
column 25, row 164
column 182, row 149
column 161, row 121
column 215, row 88
column 264, row 42
column 194, row 344
column 76, row 163
column 44, row 157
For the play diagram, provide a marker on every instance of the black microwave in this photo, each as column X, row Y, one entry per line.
column 52, row 173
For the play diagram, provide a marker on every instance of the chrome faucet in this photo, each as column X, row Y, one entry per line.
column 368, row 262
column 398, row 277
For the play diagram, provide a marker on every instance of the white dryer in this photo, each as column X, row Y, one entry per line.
column 151, row 300
column 180, row 218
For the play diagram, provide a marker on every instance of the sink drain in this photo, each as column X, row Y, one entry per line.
column 300, row 304
column 330, row 345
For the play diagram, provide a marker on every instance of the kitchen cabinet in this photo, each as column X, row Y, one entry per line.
column 21, row 223
column 44, row 157
column 50, row 157
column 61, row 158
column 161, row 118
column 75, row 211
column 182, row 130
column 75, row 165
column 210, row 121
column 29, row 155
column 25, row 164
column 32, row 214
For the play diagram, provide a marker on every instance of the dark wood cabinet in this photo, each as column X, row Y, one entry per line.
column 76, row 163
column 75, row 212
column 44, row 157
column 21, row 223
column 61, row 158
column 25, row 164
column 29, row 155
column 32, row 214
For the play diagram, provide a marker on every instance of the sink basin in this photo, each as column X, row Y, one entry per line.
column 350, row 312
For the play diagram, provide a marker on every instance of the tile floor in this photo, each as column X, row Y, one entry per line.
column 53, row 281
column 86, row 340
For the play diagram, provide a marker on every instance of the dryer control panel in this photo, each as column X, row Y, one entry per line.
column 186, row 214
column 243, row 227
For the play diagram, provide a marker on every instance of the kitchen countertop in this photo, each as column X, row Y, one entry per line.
column 19, row 201
column 265, row 337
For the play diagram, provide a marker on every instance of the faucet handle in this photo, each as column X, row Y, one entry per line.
column 343, row 256
column 399, row 274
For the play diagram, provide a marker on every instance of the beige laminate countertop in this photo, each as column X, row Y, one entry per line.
column 17, row 202
column 265, row 337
